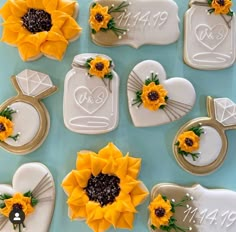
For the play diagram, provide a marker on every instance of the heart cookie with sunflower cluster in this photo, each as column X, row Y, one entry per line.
column 153, row 100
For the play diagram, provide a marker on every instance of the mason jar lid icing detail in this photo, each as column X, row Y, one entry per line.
column 105, row 184
column 40, row 27
column 200, row 145
column 91, row 95
column 28, row 203
column 128, row 22
column 153, row 99
column 210, row 35
column 24, row 120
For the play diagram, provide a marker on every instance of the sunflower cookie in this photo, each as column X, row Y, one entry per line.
column 28, row 203
column 40, row 27
column 200, row 145
column 24, row 120
column 91, row 95
column 210, row 34
column 191, row 209
column 118, row 22
column 153, row 100
column 104, row 189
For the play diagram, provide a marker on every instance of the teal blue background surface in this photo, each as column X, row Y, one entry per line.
column 153, row 145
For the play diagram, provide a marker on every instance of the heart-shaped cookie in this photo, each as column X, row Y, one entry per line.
column 178, row 101
column 211, row 37
column 34, row 177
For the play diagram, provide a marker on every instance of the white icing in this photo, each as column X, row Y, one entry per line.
column 90, row 106
column 33, row 83
column 209, row 41
column 146, row 21
column 210, row 147
column 179, row 103
column 26, row 178
column 211, row 210
column 225, row 111
column 26, row 122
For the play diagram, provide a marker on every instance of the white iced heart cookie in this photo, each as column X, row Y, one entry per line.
column 202, row 209
column 91, row 95
column 200, row 145
column 210, row 35
column 29, row 202
column 153, row 100
column 24, row 120
column 134, row 22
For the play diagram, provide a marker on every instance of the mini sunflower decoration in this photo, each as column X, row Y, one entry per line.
column 99, row 67
column 39, row 27
column 188, row 142
column 162, row 213
column 104, row 189
column 6, row 125
column 101, row 18
column 221, row 7
column 17, row 207
column 153, row 95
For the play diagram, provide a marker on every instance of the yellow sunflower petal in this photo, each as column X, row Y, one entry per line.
column 28, row 51
column 82, row 177
column 125, row 221
column 127, row 184
column 122, row 163
column 134, row 167
column 36, row 4
column 99, row 225
column 55, row 46
column 94, row 211
column 84, row 160
column 110, row 150
column 138, row 194
column 97, row 165
column 67, row 7
column 110, row 167
column 50, row 6
column 5, row 11
column 78, row 197
column 111, row 214
column 77, row 212
column 124, row 203
column 69, row 183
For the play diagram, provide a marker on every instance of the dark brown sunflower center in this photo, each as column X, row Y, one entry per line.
column 2, row 127
column 99, row 17
column 99, row 66
column 153, row 96
column 221, row 2
column 160, row 212
column 103, row 188
column 189, row 142
column 37, row 20
column 17, row 206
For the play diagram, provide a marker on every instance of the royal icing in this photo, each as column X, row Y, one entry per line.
column 135, row 22
column 206, row 210
column 91, row 92
column 40, row 190
column 170, row 102
column 209, row 37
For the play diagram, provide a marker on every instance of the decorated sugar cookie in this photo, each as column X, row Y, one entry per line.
column 104, row 190
column 91, row 95
column 200, row 145
column 40, row 27
column 154, row 100
column 24, row 120
column 133, row 22
column 28, row 203
column 191, row 209
column 210, row 34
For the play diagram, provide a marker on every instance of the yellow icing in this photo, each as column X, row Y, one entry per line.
column 55, row 42
column 120, row 213
column 8, row 125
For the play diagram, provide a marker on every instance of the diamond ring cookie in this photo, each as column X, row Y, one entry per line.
column 210, row 35
column 154, row 100
column 104, row 189
column 91, row 95
column 28, row 203
column 200, row 145
column 40, row 27
column 24, row 120
column 191, row 209
column 128, row 22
